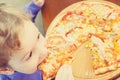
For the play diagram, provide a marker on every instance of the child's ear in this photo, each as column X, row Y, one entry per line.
column 4, row 66
column 6, row 71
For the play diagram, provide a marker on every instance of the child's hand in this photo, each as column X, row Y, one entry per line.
column 39, row 3
column 65, row 73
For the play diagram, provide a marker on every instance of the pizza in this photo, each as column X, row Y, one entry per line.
column 97, row 22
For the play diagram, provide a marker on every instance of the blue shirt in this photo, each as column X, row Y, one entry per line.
column 32, row 10
column 21, row 76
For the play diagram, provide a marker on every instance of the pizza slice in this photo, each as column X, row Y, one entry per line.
column 103, row 56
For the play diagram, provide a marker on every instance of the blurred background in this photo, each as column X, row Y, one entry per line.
column 20, row 4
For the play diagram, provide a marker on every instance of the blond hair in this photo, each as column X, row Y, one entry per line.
column 11, row 23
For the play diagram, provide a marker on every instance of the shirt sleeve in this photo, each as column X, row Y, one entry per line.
column 31, row 10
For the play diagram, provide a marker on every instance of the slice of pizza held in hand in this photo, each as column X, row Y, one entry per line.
column 98, row 22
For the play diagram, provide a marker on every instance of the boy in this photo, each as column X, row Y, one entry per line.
column 22, row 47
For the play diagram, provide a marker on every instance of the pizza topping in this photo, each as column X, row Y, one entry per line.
column 116, row 42
column 55, row 40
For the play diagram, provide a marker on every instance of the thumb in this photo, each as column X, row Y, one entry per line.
column 65, row 73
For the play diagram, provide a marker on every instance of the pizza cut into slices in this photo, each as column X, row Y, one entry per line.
column 97, row 22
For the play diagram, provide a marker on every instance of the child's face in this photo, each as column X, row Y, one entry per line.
column 33, row 50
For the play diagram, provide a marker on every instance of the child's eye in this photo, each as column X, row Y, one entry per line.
column 38, row 36
column 28, row 56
